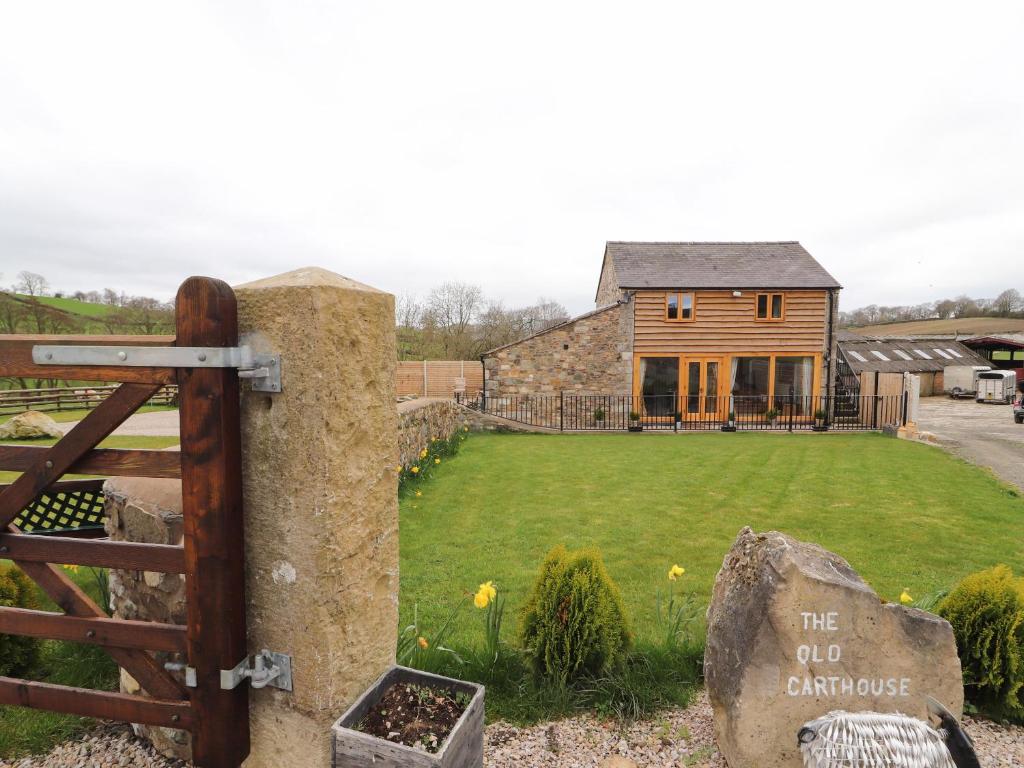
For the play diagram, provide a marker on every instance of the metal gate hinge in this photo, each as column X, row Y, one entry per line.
column 268, row 669
column 262, row 369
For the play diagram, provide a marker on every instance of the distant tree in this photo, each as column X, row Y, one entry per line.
column 32, row 284
column 945, row 308
column 451, row 309
column 1007, row 303
column 12, row 313
column 545, row 314
column 111, row 297
column 965, row 306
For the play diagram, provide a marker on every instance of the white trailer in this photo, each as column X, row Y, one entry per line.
column 961, row 380
column 996, row 386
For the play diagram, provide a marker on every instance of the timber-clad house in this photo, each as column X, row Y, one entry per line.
column 704, row 326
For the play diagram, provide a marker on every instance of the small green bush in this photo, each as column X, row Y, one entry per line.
column 987, row 613
column 573, row 621
column 16, row 653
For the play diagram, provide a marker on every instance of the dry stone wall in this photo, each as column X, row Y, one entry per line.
column 148, row 510
column 592, row 354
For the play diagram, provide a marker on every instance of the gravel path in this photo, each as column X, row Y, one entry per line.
column 112, row 746
column 154, row 423
column 682, row 738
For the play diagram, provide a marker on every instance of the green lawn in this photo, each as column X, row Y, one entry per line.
column 903, row 514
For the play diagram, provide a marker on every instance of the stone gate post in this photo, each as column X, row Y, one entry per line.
column 321, row 505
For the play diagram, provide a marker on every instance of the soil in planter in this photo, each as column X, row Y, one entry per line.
column 418, row 716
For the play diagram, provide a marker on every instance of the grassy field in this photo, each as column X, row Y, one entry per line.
column 74, row 307
column 903, row 514
column 976, row 325
column 25, row 731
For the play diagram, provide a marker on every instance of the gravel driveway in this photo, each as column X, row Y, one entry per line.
column 982, row 433
column 681, row 738
column 153, row 423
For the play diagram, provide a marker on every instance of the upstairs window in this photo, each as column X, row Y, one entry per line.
column 679, row 307
column 771, row 306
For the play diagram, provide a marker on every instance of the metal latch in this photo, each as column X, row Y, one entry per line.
column 263, row 370
column 268, row 668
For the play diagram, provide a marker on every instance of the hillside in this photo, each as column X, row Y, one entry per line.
column 73, row 306
column 961, row 326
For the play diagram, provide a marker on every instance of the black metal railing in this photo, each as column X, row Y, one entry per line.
column 571, row 412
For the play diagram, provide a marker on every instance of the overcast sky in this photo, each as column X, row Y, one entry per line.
column 407, row 143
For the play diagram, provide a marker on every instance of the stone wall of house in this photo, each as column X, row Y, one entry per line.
column 608, row 291
column 148, row 510
column 592, row 354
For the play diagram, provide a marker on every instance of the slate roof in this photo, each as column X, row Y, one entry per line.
column 852, row 344
column 716, row 265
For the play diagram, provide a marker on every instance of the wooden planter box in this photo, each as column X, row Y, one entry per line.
column 464, row 747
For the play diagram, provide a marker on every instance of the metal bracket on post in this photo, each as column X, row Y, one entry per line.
column 263, row 370
column 268, row 669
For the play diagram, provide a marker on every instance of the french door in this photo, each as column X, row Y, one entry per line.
column 701, row 381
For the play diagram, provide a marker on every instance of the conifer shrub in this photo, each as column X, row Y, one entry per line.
column 987, row 613
column 574, row 622
column 16, row 653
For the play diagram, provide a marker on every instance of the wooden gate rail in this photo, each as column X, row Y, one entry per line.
column 211, row 556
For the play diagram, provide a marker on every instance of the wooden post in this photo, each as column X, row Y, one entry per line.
column 211, row 489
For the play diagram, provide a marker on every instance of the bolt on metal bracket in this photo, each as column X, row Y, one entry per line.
column 261, row 369
column 190, row 672
column 268, row 669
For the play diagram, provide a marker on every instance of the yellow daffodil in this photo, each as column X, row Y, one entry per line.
column 419, row 493
column 423, row 642
column 675, row 572
column 489, row 588
column 905, row 597
column 398, row 468
column 423, row 453
column 415, row 470
column 465, row 429
column 72, row 568
column 437, row 460
column 480, row 599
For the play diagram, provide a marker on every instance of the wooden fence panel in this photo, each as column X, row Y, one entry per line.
column 437, row 378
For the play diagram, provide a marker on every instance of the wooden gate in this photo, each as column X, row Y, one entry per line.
column 211, row 556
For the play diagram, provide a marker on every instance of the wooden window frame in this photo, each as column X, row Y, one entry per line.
column 679, row 306
column 768, row 306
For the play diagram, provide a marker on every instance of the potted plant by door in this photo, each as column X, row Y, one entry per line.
column 634, row 422
column 730, row 425
column 599, row 418
column 771, row 416
column 819, row 421
column 412, row 718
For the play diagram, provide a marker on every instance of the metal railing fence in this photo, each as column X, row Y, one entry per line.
column 571, row 412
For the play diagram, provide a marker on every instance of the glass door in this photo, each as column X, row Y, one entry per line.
column 701, row 401
column 659, row 385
